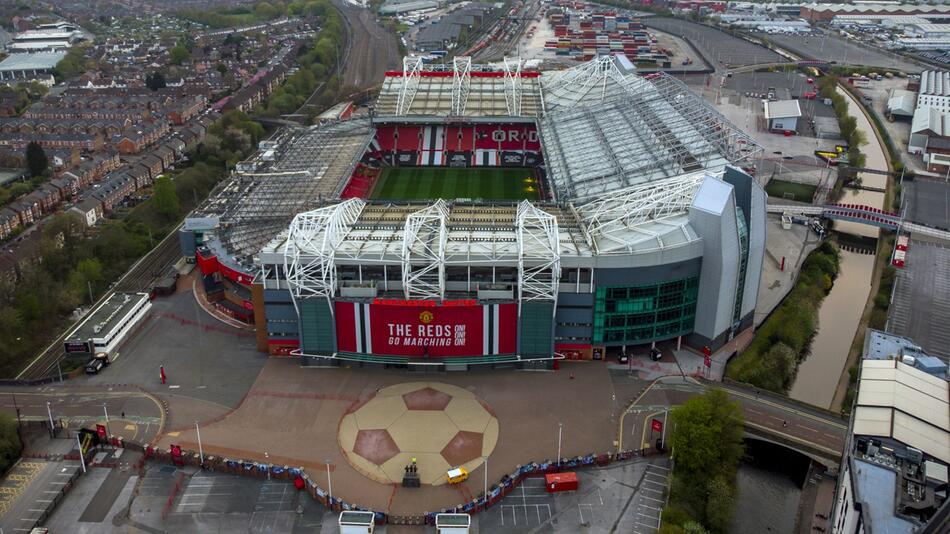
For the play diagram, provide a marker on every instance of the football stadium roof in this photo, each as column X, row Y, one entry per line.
column 418, row 92
column 627, row 156
column 296, row 171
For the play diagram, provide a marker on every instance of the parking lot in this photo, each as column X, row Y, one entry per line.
column 211, row 502
column 830, row 47
column 29, row 489
column 717, row 46
column 623, row 498
column 928, row 202
column 920, row 309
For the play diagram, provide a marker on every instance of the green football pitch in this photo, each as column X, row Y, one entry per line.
column 428, row 183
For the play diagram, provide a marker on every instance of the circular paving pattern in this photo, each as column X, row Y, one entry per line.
column 440, row 425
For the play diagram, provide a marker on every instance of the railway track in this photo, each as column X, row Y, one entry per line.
column 139, row 277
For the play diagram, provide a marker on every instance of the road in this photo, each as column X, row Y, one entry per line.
column 134, row 415
column 766, row 412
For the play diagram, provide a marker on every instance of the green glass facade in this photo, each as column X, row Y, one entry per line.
column 743, row 263
column 641, row 314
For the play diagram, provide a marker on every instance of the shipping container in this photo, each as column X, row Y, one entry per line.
column 556, row 482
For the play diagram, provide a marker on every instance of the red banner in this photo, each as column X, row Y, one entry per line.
column 657, row 425
column 392, row 328
column 101, row 430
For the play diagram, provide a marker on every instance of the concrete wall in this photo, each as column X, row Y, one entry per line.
column 713, row 216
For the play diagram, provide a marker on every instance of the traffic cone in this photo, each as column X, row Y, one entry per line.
column 572, row 375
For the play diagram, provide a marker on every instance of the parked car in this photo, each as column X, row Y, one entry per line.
column 97, row 363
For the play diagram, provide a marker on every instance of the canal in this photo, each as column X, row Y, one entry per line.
column 770, row 481
column 841, row 310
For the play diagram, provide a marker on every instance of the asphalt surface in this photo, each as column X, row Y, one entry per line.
column 622, row 498
column 132, row 414
column 920, row 309
column 829, row 47
column 211, row 502
column 29, row 489
column 928, row 202
column 774, row 414
column 718, row 46
column 203, row 358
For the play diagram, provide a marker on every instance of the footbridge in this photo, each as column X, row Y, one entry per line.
column 814, row 432
column 861, row 214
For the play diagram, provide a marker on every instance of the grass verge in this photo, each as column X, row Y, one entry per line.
column 782, row 342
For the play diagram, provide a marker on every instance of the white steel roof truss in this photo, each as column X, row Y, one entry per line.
column 423, row 252
column 311, row 244
column 539, row 259
column 411, row 69
column 625, row 210
column 513, row 88
column 461, row 81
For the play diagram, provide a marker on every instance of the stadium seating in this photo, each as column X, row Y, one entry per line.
column 361, row 182
column 473, row 145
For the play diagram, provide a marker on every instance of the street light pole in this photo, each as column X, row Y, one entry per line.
column 486, row 479
column 329, row 485
column 82, row 459
column 663, row 436
column 50, row 414
column 560, row 426
column 106, row 411
column 201, row 453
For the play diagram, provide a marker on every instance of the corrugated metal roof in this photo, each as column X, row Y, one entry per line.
column 38, row 60
column 935, row 82
column 898, row 401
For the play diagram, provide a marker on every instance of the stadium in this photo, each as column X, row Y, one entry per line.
column 492, row 216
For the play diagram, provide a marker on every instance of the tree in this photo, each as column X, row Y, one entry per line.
column 179, row 54
column 165, row 198
column 87, row 275
column 36, row 160
column 9, row 441
column 707, row 438
column 155, row 81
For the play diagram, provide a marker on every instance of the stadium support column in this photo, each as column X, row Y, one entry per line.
column 539, row 274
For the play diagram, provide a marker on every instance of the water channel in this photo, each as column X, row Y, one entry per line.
column 770, row 481
column 841, row 310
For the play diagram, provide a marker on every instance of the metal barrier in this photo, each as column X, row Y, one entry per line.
column 496, row 492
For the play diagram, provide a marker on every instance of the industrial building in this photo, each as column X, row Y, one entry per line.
column 29, row 66
column 893, row 476
column 636, row 221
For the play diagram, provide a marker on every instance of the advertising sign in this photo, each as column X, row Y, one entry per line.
column 459, row 328
column 657, row 425
column 101, row 431
column 77, row 346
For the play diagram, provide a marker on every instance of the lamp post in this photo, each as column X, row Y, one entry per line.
column 329, row 485
column 486, row 479
column 50, row 414
column 106, row 411
column 201, row 453
column 82, row 458
column 560, row 426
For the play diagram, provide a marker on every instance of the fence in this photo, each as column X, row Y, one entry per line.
column 260, row 470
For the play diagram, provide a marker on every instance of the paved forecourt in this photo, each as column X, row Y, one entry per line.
column 289, row 413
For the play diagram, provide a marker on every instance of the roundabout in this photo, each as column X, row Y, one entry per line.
column 440, row 425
